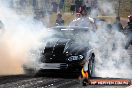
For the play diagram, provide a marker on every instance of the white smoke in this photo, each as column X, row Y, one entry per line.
column 111, row 58
column 107, row 7
column 21, row 33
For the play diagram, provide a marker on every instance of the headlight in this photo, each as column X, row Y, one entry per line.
column 75, row 58
column 67, row 53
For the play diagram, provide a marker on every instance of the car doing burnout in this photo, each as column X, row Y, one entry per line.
column 67, row 51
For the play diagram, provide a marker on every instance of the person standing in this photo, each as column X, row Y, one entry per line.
column 128, row 31
column 117, row 25
column 88, row 4
column 72, row 8
column 55, row 6
column 61, row 5
column 78, row 4
column 35, row 5
column 22, row 4
column 59, row 20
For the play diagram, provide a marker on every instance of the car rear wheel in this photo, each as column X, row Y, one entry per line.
column 91, row 67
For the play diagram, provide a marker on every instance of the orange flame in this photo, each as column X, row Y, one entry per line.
column 84, row 73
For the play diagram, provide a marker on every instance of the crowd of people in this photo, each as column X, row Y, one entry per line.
column 80, row 7
column 75, row 5
column 86, row 21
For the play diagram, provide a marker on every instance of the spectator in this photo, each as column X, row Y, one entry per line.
column 22, row 4
column 72, row 8
column 109, row 28
column 129, row 26
column 128, row 31
column 117, row 24
column 55, row 6
column 88, row 5
column 78, row 4
column 130, row 21
column 35, row 5
column 61, row 4
column 82, row 10
column 59, row 20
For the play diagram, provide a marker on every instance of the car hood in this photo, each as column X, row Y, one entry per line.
column 70, row 47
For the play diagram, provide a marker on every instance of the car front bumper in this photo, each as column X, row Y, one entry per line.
column 54, row 66
column 62, row 66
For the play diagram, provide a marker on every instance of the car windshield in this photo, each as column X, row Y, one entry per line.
column 69, row 32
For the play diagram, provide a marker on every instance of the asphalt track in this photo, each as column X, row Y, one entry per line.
column 23, row 81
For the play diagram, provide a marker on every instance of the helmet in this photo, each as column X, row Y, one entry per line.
column 130, row 17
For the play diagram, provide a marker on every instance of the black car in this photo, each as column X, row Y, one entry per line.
column 66, row 52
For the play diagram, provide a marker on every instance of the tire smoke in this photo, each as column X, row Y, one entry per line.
column 20, row 34
column 111, row 57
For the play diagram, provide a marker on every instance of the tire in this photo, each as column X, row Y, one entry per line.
column 91, row 67
column 84, row 82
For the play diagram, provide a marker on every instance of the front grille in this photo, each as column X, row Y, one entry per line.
column 63, row 66
column 55, row 54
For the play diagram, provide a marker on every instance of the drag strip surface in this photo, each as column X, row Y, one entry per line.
column 46, row 82
column 41, row 82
